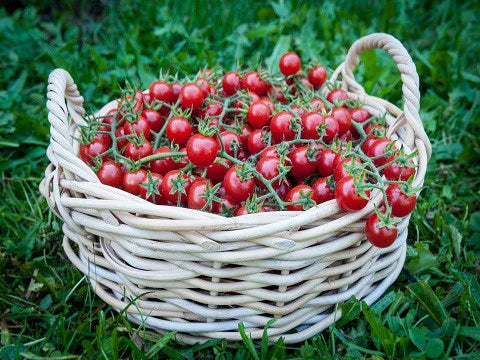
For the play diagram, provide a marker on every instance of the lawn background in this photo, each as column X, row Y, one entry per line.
column 47, row 309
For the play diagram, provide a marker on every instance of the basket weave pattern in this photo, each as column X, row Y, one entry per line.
column 199, row 273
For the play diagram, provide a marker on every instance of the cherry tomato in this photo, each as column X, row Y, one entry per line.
column 246, row 132
column 317, row 105
column 359, row 115
column 300, row 111
column 368, row 143
column 231, row 141
column 161, row 91
column 169, row 191
column 347, row 196
column 212, row 109
column 310, row 122
column 231, row 82
column 344, row 119
column 327, row 162
column 139, row 127
column 164, row 165
column 195, row 200
column 402, row 204
column 183, row 161
column 296, row 194
column 137, row 103
column 156, row 197
column 204, row 85
column 323, row 191
column 216, row 171
column 276, row 93
column 131, row 181
column 179, row 130
column 154, row 119
column 120, row 142
column 258, row 114
column 104, row 138
column 268, row 167
column 191, row 96
column 255, row 142
column 378, row 148
column 227, row 206
column 340, row 172
column 176, row 87
column 381, row 237
column 255, row 84
column 270, row 151
column 89, row 151
column 337, row 95
column 268, row 102
column 282, row 188
column 135, row 152
column 237, row 188
column 331, row 130
column 110, row 173
column 395, row 172
column 110, row 119
column 242, row 210
column 290, row 64
column 317, row 76
column 302, row 166
column 280, row 126
column 202, row 150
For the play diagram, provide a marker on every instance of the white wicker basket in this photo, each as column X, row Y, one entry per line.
column 201, row 274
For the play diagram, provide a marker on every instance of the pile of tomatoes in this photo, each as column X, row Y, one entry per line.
column 249, row 142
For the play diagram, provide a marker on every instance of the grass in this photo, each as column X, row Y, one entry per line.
column 47, row 308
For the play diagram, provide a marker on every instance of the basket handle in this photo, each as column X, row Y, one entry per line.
column 63, row 99
column 409, row 75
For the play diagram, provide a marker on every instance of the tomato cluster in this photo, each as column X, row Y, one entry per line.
column 247, row 141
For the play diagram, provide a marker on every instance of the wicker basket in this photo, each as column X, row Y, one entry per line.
column 201, row 274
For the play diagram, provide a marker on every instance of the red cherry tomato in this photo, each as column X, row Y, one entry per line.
column 290, row 64
column 227, row 206
column 381, row 237
column 302, row 166
column 327, row 162
column 258, row 114
column 317, row 105
column 216, row 171
column 280, row 126
column 282, row 188
column 161, row 91
column 296, row 194
column 323, row 191
column 156, row 197
column 169, row 191
column 231, row 141
column 300, row 111
column 104, row 138
column 195, row 200
column 242, row 210
column 176, row 87
column 237, row 188
column 270, row 151
column 231, row 82
column 317, row 76
column 255, row 84
column 131, row 181
column 246, row 132
column 347, row 196
column 110, row 173
column 337, row 95
column 179, row 130
column 378, row 148
column 401, row 203
column 202, row 150
column 359, row 115
column 310, row 122
column 344, row 119
column 204, row 85
column 191, row 96
column 135, row 152
column 120, row 132
column 395, row 172
column 212, row 109
column 340, row 172
column 277, row 94
column 255, row 142
column 268, row 167
column 139, row 127
column 89, row 151
column 154, row 119
column 164, row 165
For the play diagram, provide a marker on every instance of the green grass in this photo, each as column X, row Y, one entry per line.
column 47, row 309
